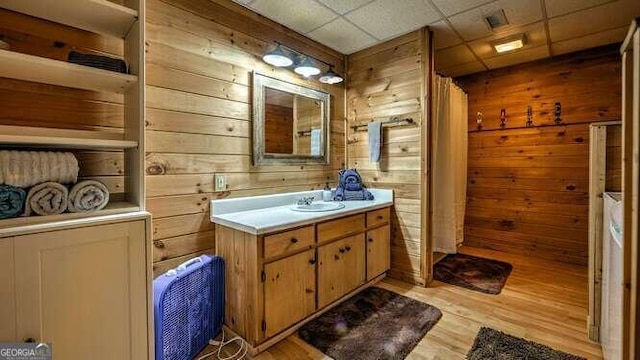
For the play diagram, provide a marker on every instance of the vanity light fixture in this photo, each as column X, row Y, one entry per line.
column 277, row 57
column 331, row 77
column 306, row 68
column 283, row 56
column 509, row 44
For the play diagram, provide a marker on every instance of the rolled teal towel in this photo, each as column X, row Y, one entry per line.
column 12, row 201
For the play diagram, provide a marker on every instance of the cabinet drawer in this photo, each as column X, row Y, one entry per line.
column 288, row 242
column 336, row 229
column 378, row 217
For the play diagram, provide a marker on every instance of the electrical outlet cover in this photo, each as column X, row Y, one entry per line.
column 220, row 182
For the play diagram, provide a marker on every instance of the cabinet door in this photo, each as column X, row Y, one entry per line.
column 289, row 291
column 378, row 251
column 341, row 268
column 7, row 291
column 85, row 291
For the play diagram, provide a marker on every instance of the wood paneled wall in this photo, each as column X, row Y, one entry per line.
column 613, row 181
column 385, row 81
column 200, row 55
column 528, row 187
column 33, row 104
column 278, row 129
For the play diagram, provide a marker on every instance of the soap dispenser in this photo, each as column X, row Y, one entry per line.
column 326, row 193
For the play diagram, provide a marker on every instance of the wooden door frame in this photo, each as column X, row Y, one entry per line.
column 597, row 187
column 426, row 151
column 630, row 51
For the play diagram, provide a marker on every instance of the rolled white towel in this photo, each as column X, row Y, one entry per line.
column 28, row 168
column 88, row 196
column 49, row 198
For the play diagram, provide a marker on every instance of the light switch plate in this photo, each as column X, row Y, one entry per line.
column 220, row 182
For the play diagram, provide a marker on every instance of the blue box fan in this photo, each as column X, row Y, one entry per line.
column 188, row 304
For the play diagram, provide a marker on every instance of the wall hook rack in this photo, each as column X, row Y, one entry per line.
column 479, row 118
column 529, row 116
column 392, row 121
column 558, row 113
column 503, row 118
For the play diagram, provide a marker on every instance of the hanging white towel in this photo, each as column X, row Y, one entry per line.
column 375, row 141
column 316, row 142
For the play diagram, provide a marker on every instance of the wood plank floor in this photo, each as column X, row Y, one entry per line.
column 542, row 301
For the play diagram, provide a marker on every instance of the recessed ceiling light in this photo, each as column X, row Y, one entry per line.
column 510, row 43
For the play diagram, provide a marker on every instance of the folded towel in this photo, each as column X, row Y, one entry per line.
column 316, row 142
column 11, row 201
column 27, row 168
column 375, row 141
column 346, row 195
column 88, row 196
column 49, row 198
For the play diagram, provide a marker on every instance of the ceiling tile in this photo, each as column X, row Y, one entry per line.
column 300, row 15
column 344, row 6
column 453, row 56
column 385, row 18
column 449, row 7
column 444, row 35
column 464, row 69
column 471, row 24
column 343, row 36
column 561, row 7
column 601, row 18
column 243, row 2
column 517, row 57
column 535, row 33
column 589, row 41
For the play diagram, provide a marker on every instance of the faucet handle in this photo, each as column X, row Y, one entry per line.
column 306, row 201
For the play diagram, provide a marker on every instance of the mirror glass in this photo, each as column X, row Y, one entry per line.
column 290, row 123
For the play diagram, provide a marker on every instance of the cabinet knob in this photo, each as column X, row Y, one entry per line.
column 370, row 239
column 30, row 340
column 312, row 261
column 336, row 257
column 380, row 217
column 342, row 250
column 294, row 240
column 348, row 248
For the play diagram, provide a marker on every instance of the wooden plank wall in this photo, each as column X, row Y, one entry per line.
column 278, row 129
column 33, row 104
column 613, row 180
column 382, row 82
column 200, row 55
column 528, row 187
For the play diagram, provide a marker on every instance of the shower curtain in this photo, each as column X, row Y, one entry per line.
column 449, row 165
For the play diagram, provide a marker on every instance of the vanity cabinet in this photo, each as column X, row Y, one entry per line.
column 275, row 282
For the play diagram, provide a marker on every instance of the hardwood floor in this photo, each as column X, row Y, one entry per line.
column 543, row 301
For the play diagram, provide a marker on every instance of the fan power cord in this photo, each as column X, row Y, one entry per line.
column 240, row 354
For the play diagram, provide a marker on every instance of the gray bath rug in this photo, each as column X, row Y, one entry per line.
column 373, row 324
column 494, row 344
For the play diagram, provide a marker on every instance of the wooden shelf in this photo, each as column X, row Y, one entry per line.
column 10, row 227
column 98, row 16
column 36, row 137
column 20, row 66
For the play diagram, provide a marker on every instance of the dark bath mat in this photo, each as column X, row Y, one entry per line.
column 373, row 324
column 474, row 273
column 494, row 344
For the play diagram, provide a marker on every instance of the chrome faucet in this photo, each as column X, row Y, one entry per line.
column 305, row 201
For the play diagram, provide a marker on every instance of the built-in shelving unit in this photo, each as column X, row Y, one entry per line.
column 98, row 16
column 19, row 66
column 103, row 18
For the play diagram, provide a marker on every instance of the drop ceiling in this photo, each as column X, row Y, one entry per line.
column 462, row 37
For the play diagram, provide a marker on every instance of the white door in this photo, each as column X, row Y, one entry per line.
column 85, row 291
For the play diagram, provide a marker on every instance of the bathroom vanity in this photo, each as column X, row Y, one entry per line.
column 285, row 267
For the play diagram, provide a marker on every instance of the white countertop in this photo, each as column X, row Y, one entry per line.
column 269, row 213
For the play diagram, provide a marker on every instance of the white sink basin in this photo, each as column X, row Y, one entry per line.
column 318, row 207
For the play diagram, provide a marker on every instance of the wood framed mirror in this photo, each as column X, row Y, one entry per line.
column 290, row 123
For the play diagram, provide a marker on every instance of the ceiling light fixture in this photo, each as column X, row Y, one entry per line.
column 277, row 57
column 306, row 68
column 331, row 77
column 510, row 43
